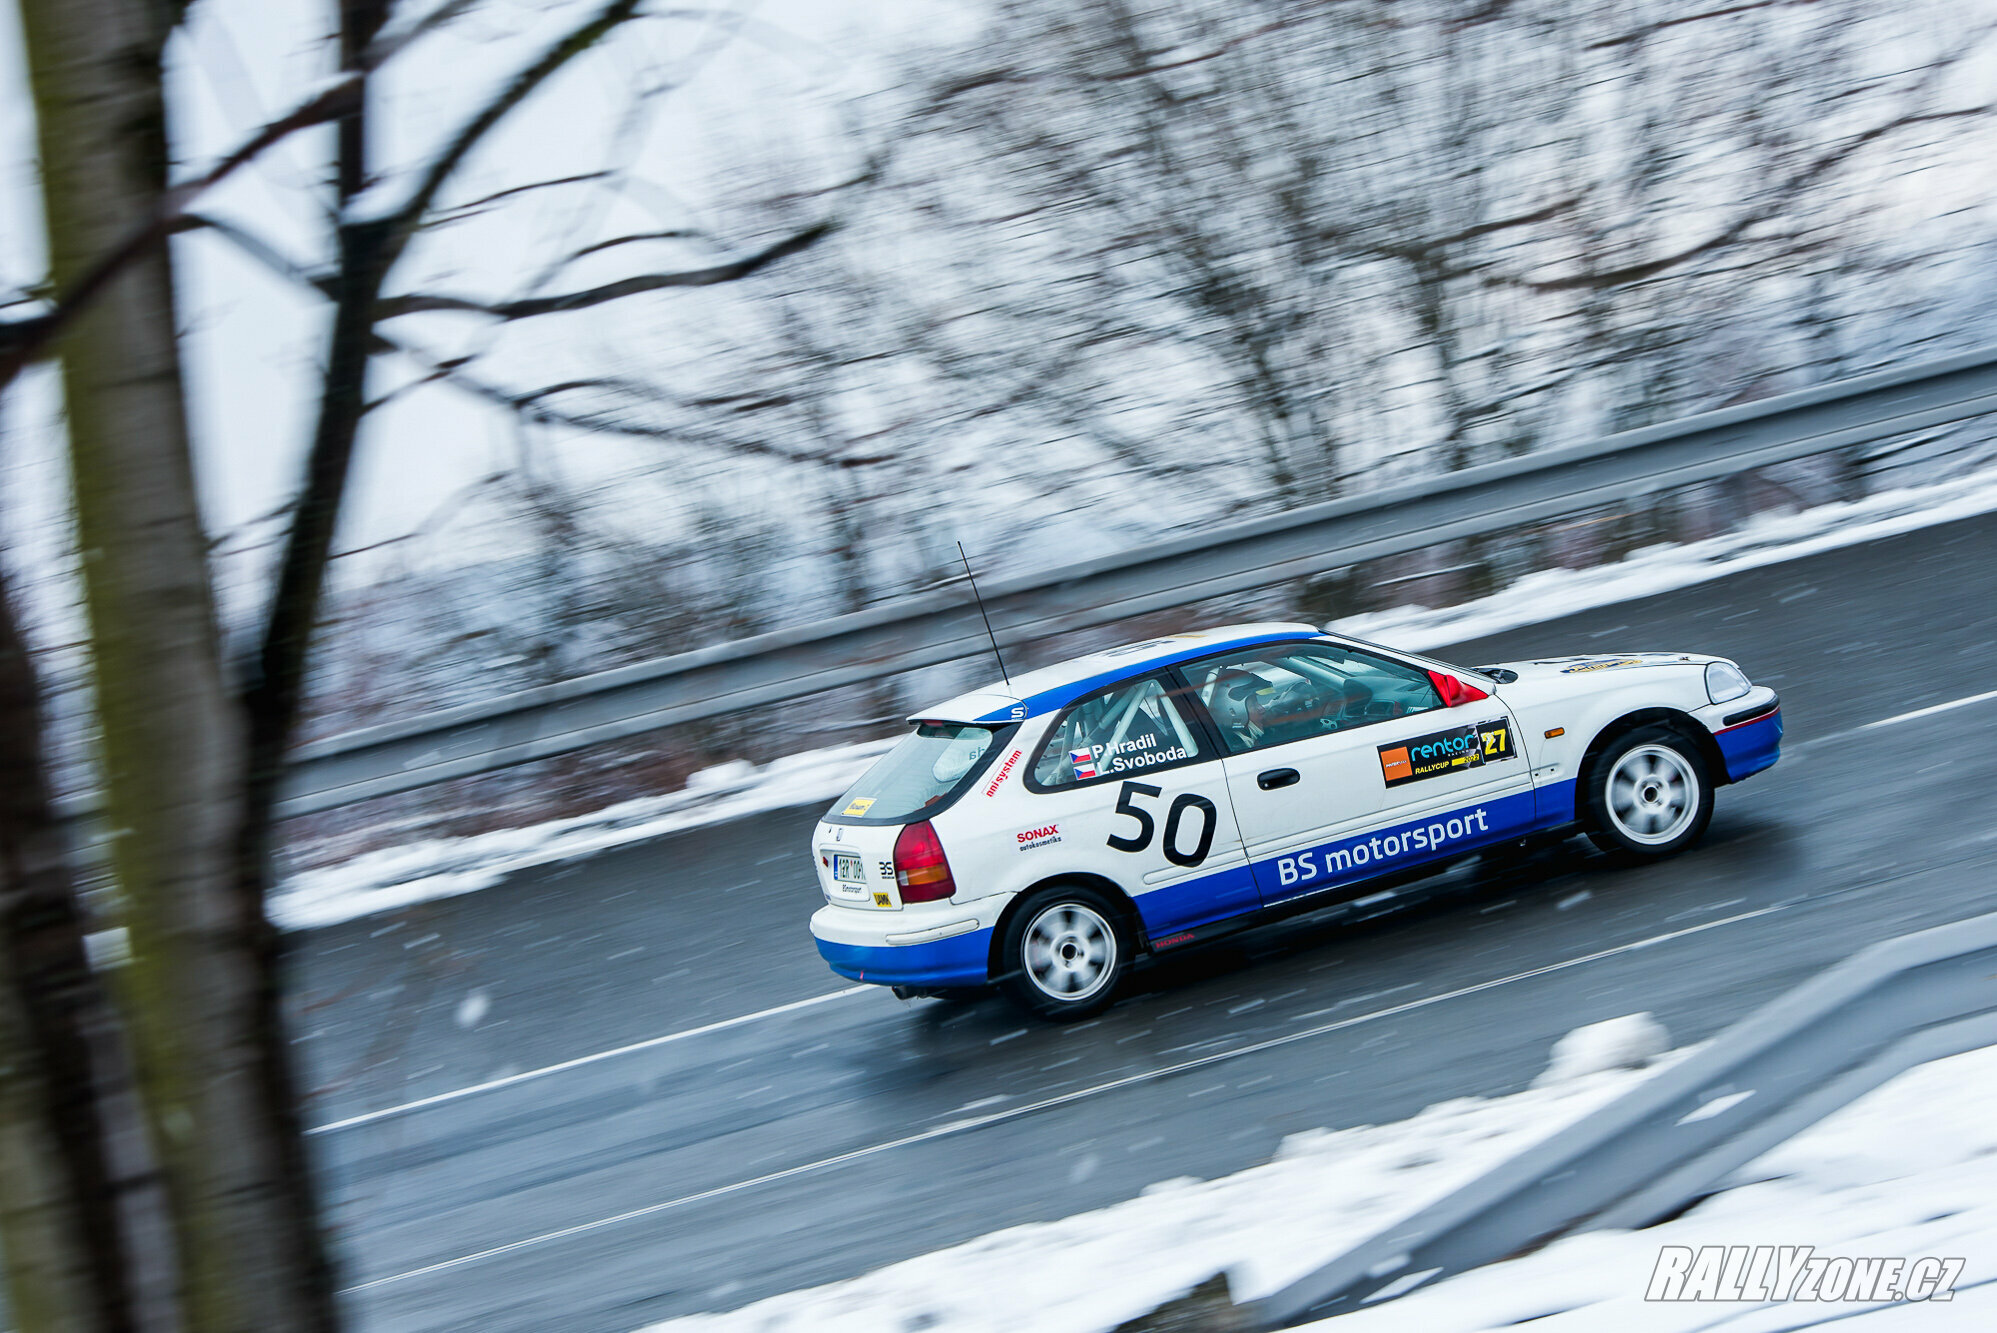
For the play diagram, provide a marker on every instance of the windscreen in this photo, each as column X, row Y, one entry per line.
column 930, row 765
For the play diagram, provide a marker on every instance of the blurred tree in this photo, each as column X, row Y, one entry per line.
column 201, row 988
column 60, row 1229
column 191, row 754
column 1428, row 232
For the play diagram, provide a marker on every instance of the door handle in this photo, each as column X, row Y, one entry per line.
column 1276, row 777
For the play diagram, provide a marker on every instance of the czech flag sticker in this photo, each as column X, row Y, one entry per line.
column 1084, row 762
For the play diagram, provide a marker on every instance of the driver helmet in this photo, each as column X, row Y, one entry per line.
column 1238, row 702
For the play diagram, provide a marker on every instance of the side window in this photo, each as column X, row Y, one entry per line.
column 1128, row 728
column 1281, row 693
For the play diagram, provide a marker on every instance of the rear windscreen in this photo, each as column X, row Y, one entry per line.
column 911, row 781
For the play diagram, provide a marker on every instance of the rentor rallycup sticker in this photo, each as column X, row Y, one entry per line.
column 1451, row 751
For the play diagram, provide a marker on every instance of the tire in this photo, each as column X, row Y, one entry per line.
column 1063, row 954
column 1649, row 796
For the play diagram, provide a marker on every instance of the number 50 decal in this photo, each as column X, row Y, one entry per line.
column 1146, row 827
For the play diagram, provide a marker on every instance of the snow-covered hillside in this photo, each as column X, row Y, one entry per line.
column 1908, row 1171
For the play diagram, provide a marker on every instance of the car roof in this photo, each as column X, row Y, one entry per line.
column 1033, row 693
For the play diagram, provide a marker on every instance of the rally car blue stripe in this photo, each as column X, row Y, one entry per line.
column 1353, row 860
column 1554, row 803
column 1060, row 696
column 1200, row 901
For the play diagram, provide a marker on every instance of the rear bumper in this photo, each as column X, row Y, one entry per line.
column 1751, row 746
column 940, row 944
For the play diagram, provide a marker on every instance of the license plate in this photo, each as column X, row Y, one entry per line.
column 846, row 868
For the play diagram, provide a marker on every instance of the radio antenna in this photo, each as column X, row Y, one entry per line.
column 981, row 612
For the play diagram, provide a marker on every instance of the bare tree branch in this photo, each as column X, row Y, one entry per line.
column 257, row 248
column 388, row 44
column 22, row 341
column 533, row 406
column 1652, row 29
column 586, row 35
column 674, row 234
column 1815, row 171
column 1232, row 43
column 1429, row 245
column 457, row 212
column 417, row 303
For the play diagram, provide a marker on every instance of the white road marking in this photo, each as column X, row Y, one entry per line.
column 1931, row 710
column 422, row 1103
column 1895, row 720
column 1064, row 1099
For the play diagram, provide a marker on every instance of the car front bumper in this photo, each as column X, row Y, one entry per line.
column 1753, row 744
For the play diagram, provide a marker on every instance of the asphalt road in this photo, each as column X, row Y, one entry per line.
column 847, row 1131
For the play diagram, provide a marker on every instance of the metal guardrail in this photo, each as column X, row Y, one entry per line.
column 1668, row 1142
column 944, row 626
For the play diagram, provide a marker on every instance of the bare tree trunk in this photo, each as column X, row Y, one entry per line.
column 200, row 992
column 59, row 1229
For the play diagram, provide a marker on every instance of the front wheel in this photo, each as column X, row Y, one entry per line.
column 1649, row 796
column 1063, row 954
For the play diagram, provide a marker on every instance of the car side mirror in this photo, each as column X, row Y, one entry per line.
column 1454, row 691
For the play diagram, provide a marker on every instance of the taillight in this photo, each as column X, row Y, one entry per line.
column 920, row 866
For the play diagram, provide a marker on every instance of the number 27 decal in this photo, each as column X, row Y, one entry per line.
column 1126, row 804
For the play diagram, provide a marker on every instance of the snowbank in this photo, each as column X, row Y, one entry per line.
column 1766, row 539
column 443, row 867
column 1629, row 1042
column 1910, row 1170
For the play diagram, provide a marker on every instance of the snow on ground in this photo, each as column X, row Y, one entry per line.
column 1629, row 1042
column 443, row 867
column 1766, row 539
column 1908, row 1171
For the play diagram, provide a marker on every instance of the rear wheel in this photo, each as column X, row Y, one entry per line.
column 1064, row 953
column 1649, row 796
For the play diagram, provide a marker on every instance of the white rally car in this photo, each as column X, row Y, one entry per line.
column 1042, row 834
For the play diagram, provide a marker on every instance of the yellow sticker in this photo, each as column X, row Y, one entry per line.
column 859, row 806
column 881, row 900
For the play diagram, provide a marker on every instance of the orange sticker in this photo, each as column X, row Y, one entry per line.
column 1394, row 763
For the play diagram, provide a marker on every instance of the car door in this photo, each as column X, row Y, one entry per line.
column 1128, row 785
column 1345, row 763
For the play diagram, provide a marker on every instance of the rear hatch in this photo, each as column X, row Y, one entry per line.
column 856, row 865
column 922, row 776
